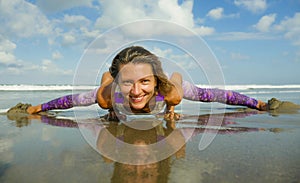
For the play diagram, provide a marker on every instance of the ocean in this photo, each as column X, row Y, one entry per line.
column 249, row 146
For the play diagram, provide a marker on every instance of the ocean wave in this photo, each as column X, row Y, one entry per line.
column 252, row 86
column 23, row 87
column 3, row 111
column 44, row 87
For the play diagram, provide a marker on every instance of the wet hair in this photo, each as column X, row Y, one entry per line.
column 138, row 54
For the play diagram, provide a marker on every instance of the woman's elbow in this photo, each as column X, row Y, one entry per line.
column 102, row 102
column 174, row 100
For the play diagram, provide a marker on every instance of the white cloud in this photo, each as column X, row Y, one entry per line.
column 204, row 31
column 126, row 11
column 89, row 33
column 7, row 57
column 252, row 5
column 68, row 39
column 291, row 28
column 76, row 21
column 72, row 30
column 15, row 66
column 181, row 14
column 22, row 19
column 237, row 36
column 216, row 13
column 183, row 60
column 58, row 5
column 6, row 45
column 19, row 67
column 56, row 55
column 48, row 67
column 265, row 22
column 161, row 53
column 132, row 10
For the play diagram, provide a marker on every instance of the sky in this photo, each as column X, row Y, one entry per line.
column 251, row 41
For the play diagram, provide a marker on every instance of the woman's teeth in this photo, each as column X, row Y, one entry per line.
column 137, row 99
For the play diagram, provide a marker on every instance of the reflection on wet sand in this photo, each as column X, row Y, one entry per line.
column 138, row 170
column 25, row 120
column 159, row 133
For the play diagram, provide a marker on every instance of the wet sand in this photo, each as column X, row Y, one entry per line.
column 251, row 147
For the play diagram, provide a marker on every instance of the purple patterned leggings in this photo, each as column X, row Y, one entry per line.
column 69, row 101
column 191, row 92
column 194, row 93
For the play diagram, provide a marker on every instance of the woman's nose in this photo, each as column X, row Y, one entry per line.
column 136, row 89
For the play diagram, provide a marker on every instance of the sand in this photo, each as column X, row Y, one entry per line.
column 254, row 146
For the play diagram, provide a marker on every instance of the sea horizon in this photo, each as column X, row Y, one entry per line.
column 42, row 87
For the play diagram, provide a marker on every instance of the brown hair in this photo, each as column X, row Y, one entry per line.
column 138, row 54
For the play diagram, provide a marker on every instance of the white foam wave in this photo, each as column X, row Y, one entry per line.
column 3, row 111
column 253, row 86
column 44, row 87
column 22, row 87
column 269, row 92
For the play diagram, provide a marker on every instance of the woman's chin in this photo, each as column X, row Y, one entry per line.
column 137, row 107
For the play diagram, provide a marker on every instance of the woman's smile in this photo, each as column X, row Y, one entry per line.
column 137, row 84
column 137, row 99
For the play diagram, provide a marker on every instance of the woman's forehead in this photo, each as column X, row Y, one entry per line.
column 135, row 70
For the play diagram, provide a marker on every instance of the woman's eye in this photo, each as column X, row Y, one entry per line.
column 145, row 81
column 127, row 83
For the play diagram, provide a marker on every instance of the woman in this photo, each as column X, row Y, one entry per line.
column 142, row 83
column 136, row 83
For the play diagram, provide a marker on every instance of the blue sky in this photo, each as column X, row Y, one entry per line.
column 254, row 41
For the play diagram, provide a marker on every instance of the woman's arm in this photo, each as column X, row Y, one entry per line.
column 104, row 97
column 174, row 97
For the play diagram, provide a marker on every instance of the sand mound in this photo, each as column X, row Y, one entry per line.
column 19, row 108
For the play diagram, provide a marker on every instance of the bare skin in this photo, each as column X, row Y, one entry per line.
column 34, row 109
column 262, row 106
column 104, row 97
column 104, row 92
column 172, row 98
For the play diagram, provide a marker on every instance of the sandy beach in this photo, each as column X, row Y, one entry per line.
column 251, row 146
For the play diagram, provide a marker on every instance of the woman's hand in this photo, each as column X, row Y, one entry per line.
column 170, row 114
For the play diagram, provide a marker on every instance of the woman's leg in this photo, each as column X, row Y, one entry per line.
column 66, row 102
column 192, row 92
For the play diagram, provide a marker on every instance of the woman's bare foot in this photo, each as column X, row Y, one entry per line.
column 262, row 106
column 34, row 109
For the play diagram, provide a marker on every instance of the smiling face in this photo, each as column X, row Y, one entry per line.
column 137, row 84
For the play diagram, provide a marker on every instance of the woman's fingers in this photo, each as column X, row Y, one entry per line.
column 170, row 115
